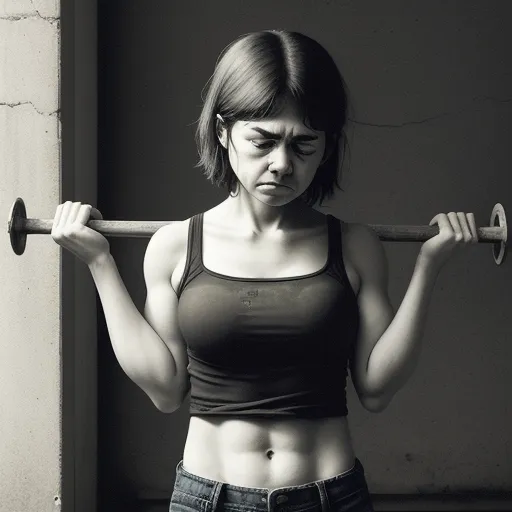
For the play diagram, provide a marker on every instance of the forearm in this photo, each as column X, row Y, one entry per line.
column 140, row 351
column 396, row 353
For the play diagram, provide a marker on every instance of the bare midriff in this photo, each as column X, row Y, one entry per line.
column 268, row 453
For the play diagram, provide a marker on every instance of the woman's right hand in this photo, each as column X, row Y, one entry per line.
column 69, row 231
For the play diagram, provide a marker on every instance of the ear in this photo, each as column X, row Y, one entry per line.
column 222, row 133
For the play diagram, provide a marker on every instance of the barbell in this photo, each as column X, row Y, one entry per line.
column 19, row 227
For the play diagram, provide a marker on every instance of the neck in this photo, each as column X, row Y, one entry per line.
column 257, row 218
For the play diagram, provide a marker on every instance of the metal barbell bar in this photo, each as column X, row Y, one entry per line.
column 19, row 227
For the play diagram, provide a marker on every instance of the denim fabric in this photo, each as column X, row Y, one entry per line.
column 347, row 492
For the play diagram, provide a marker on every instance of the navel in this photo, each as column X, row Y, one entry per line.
column 269, row 454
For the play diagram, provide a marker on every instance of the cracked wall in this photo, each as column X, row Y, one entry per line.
column 30, row 388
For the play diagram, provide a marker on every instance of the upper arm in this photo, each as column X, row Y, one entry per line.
column 160, row 310
column 367, row 255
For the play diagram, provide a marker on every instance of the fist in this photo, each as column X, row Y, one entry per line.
column 456, row 231
column 69, row 231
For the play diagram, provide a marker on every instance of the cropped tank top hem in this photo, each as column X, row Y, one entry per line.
column 194, row 264
column 273, row 414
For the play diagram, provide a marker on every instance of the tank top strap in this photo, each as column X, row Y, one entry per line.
column 336, row 267
column 193, row 263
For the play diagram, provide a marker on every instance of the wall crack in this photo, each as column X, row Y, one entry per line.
column 480, row 98
column 14, row 105
column 18, row 17
column 50, row 19
column 401, row 125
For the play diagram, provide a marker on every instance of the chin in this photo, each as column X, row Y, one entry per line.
column 274, row 200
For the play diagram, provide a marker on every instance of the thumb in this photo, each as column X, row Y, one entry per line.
column 433, row 221
column 95, row 214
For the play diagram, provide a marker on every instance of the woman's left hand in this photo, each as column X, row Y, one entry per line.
column 456, row 231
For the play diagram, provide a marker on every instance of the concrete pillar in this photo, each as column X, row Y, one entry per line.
column 30, row 388
column 47, row 299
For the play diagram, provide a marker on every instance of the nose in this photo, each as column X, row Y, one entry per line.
column 280, row 160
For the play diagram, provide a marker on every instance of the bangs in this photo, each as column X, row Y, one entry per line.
column 253, row 103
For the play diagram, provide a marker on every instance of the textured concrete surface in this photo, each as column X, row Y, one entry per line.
column 30, row 446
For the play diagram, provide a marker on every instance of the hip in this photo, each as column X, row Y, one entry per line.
column 346, row 492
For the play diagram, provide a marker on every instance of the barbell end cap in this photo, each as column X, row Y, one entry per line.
column 498, row 218
column 17, row 216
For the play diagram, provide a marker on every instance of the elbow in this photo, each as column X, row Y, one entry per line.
column 171, row 404
column 375, row 403
column 168, row 408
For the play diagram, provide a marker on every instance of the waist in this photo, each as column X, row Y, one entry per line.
column 268, row 453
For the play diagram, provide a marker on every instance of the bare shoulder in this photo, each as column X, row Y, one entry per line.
column 360, row 236
column 165, row 248
column 365, row 251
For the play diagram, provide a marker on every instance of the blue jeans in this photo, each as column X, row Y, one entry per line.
column 346, row 492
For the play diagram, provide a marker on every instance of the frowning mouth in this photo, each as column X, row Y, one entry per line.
column 272, row 183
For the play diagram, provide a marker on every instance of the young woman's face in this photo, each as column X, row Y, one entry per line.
column 280, row 149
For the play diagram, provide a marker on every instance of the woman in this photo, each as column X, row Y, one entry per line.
column 258, row 305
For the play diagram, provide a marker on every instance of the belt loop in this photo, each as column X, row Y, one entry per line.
column 217, row 488
column 324, row 499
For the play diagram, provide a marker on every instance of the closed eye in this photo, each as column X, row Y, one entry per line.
column 263, row 145
column 303, row 149
column 298, row 147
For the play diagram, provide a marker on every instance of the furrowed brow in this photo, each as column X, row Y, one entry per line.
column 276, row 136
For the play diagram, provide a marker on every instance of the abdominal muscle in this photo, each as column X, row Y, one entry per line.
column 268, row 453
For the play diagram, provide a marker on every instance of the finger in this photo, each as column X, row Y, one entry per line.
column 472, row 226
column 96, row 214
column 434, row 220
column 442, row 220
column 466, row 233
column 56, row 221
column 84, row 214
column 454, row 221
column 66, row 207
column 75, row 208
column 56, row 217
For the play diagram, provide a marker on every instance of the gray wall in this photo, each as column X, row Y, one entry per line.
column 431, row 87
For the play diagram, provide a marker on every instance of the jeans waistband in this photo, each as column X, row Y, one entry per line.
column 338, row 485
